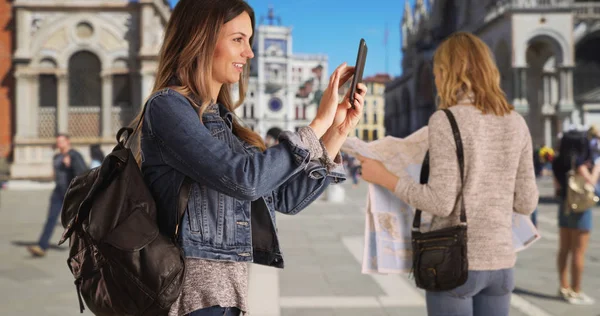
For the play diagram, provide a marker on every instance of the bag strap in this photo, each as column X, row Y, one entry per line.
column 461, row 166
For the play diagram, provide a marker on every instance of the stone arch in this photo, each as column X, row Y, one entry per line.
column 93, row 44
column 586, row 74
column 558, row 44
column 93, row 48
column 545, row 50
column 47, row 63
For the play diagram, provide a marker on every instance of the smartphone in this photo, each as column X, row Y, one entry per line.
column 359, row 68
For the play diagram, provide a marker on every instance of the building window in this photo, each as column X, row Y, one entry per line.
column 375, row 136
column 121, row 90
column 365, row 118
column 85, row 95
column 85, row 84
column 252, row 110
column 365, row 135
column 48, row 99
column 374, row 118
column 245, row 114
column 48, row 96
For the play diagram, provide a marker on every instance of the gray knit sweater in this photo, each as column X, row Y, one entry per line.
column 499, row 180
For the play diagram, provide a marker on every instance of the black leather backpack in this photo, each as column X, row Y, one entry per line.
column 122, row 264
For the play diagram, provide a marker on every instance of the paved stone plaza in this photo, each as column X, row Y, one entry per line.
column 322, row 248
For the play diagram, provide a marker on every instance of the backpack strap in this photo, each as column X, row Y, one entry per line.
column 184, row 194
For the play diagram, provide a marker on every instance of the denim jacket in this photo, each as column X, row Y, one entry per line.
column 236, row 188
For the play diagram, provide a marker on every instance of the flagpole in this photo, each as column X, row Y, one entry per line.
column 385, row 42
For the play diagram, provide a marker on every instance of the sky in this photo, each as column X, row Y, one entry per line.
column 335, row 27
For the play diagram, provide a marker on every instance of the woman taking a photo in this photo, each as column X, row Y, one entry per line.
column 190, row 132
column 499, row 177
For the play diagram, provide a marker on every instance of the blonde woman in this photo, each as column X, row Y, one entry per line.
column 499, row 177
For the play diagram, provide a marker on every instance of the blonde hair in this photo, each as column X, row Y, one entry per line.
column 187, row 55
column 465, row 66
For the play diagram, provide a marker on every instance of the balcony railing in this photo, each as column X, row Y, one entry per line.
column 581, row 10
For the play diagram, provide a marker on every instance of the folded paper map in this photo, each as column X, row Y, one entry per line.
column 388, row 219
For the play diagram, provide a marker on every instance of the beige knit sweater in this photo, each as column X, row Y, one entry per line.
column 499, row 180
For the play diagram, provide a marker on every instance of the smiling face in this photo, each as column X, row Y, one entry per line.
column 233, row 50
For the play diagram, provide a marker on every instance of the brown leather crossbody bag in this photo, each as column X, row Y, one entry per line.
column 440, row 257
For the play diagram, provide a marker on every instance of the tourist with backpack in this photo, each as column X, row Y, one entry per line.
column 190, row 133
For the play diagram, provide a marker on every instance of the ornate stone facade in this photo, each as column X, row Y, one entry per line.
column 546, row 52
column 81, row 68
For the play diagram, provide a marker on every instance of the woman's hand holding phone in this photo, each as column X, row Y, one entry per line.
column 348, row 115
column 328, row 108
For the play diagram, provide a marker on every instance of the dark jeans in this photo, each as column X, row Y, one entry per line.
column 216, row 311
column 56, row 202
column 486, row 293
column 534, row 217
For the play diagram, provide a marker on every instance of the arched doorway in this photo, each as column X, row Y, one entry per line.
column 586, row 78
column 544, row 56
column 85, row 94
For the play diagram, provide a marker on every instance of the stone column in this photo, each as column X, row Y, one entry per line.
column 517, row 87
column 547, row 89
column 548, row 131
column 107, row 105
column 62, row 108
column 34, row 105
column 23, row 105
column 565, row 82
column 520, row 90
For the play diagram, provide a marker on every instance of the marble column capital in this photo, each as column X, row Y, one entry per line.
column 25, row 74
column 62, row 75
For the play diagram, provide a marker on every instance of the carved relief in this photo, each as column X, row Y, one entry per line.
column 39, row 19
column 58, row 40
column 121, row 20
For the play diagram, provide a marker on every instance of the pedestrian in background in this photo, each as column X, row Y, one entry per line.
column 67, row 164
column 190, row 132
column 499, row 176
column 272, row 137
column 574, row 152
column 96, row 155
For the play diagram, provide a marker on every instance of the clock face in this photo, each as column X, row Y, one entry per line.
column 275, row 104
column 276, row 46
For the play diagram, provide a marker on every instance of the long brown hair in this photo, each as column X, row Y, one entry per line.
column 187, row 56
column 465, row 65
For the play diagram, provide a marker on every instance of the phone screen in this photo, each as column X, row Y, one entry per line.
column 359, row 68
